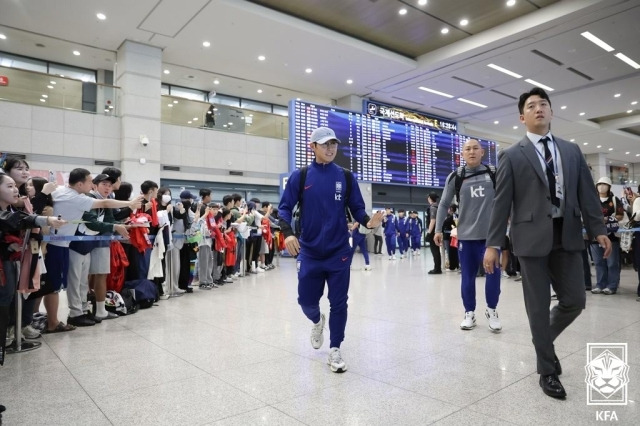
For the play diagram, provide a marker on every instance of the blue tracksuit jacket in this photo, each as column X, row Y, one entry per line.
column 323, row 220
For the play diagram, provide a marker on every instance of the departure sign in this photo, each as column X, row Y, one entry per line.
column 379, row 150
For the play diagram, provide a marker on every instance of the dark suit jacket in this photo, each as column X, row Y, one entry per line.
column 522, row 193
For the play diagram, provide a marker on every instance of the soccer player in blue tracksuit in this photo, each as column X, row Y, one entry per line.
column 324, row 254
column 390, row 231
column 415, row 231
column 359, row 239
column 402, row 224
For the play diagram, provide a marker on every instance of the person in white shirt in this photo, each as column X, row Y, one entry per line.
column 64, row 267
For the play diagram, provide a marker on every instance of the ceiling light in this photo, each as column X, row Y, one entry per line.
column 216, row 81
column 101, row 16
column 3, row 37
column 610, row 149
column 467, row 101
column 195, row 118
column 445, row 31
column 585, row 143
column 77, row 53
column 582, row 113
column 297, row 99
column 170, row 105
column 535, row 83
column 45, row 96
column 496, row 122
column 167, row 72
column 250, row 115
column 627, row 153
column 504, row 70
column 426, row 89
column 464, row 22
column 49, row 87
column 572, row 140
column 515, row 127
column 349, row 81
column 206, row 43
column 230, row 124
column 175, row 102
column 599, row 146
column 43, row 100
column 308, row 70
column 143, row 161
column 511, row 3
column 634, row 103
column 563, row 107
column 617, row 95
column 629, row 111
column 637, row 155
column 628, row 60
column 259, row 90
column 402, row 11
column 262, row 58
column 595, row 40
column 53, row 82
column 189, row 122
column 422, row 2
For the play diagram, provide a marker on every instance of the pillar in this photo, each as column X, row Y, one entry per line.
column 138, row 74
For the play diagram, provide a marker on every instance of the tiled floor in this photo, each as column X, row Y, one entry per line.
column 240, row 355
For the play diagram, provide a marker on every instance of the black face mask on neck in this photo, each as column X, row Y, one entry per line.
column 186, row 204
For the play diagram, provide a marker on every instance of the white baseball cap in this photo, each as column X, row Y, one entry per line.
column 605, row 180
column 322, row 135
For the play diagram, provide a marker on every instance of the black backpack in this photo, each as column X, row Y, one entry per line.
column 297, row 211
column 460, row 176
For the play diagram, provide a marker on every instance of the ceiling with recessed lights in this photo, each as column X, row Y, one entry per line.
column 327, row 50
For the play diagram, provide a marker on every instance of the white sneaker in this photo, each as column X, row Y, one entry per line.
column 29, row 332
column 164, row 297
column 403, row 256
column 469, row 321
column 259, row 269
column 494, row 322
column 393, row 257
column 505, row 275
column 367, row 267
column 390, row 257
column 317, row 337
column 336, row 362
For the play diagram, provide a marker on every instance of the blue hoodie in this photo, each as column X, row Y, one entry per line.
column 323, row 220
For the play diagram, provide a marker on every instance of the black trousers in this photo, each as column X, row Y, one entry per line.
column 435, row 252
column 377, row 244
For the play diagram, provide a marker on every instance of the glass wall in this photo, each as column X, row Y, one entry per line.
column 185, row 112
column 37, row 88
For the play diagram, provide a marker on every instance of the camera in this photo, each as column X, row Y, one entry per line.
column 144, row 140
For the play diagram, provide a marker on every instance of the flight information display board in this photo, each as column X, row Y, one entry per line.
column 380, row 150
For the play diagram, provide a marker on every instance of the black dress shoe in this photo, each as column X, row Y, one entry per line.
column 93, row 317
column 551, row 386
column 189, row 290
column 434, row 272
column 81, row 321
column 556, row 363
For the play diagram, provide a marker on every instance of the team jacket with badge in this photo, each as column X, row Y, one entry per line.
column 390, row 225
column 323, row 219
column 402, row 224
column 476, row 202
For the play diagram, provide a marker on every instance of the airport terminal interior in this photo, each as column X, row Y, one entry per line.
column 224, row 94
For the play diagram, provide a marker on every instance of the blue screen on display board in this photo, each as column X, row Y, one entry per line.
column 379, row 150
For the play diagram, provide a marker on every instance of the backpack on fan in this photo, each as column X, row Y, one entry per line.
column 145, row 292
column 460, row 176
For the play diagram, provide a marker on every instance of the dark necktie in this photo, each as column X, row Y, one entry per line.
column 550, row 169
